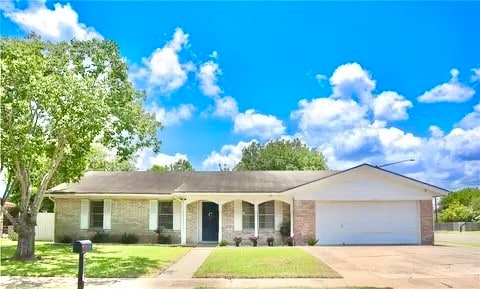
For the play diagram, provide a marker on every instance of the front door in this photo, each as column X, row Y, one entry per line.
column 209, row 221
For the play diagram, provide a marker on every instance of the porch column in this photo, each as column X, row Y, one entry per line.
column 291, row 218
column 183, row 231
column 220, row 222
column 255, row 206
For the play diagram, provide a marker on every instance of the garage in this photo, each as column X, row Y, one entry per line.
column 367, row 222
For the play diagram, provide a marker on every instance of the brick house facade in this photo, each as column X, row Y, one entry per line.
column 268, row 203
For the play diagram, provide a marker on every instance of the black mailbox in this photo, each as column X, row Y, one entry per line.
column 82, row 246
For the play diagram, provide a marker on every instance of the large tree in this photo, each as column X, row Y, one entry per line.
column 100, row 159
column 180, row 165
column 57, row 99
column 281, row 155
column 460, row 206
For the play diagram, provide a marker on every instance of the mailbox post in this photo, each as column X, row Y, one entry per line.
column 81, row 247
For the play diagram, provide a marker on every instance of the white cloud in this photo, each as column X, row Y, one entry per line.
column 322, row 116
column 163, row 69
column 321, row 78
column 225, row 107
column 472, row 119
column 208, row 78
column 389, row 105
column 476, row 74
column 173, row 116
column 255, row 124
column 351, row 80
column 229, row 155
column 214, row 55
column 436, row 132
column 58, row 24
column 452, row 91
column 350, row 127
column 146, row 158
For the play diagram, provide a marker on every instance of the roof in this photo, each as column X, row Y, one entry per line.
column 437, row 189
column 142, row 182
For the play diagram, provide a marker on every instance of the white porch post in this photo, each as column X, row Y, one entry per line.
column 220, row 222
column 183, row 231
column 255, row 206
column 291, row 218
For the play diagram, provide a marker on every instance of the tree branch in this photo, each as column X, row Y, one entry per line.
column 9, row 216
column 22, row 178
column 56, row 160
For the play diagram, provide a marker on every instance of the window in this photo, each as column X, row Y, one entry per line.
column 96, row 214
column 165, row 215
column 266, row 215
column 248, row 216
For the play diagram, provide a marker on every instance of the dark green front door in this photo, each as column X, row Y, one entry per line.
column 209, row 221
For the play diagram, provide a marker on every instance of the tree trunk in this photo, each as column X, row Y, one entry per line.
column 26, row 240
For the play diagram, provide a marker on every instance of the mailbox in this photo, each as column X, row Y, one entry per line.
column 82, row 246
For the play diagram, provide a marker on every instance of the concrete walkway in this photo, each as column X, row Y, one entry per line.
column 187, row 265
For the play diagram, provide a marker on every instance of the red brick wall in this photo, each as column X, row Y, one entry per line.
column 426, row 222
column 303, row 221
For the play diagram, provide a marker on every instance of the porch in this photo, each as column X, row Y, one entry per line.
column 211, row 220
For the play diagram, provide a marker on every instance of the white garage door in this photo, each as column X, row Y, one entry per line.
column 367, row 222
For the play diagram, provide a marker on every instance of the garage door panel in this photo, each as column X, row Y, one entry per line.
column 367, row 222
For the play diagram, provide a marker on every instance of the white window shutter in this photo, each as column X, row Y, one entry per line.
column 278, row 215
column 177, row 210
column 84, row 213
column 153, row 219
column 237, row 215
column 107, row 214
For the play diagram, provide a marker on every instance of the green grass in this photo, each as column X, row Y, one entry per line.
column 261, row 262
column 461, row 244
column 106, row 260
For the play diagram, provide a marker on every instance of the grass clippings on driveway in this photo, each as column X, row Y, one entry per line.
column 105, row 261
column 263, row 262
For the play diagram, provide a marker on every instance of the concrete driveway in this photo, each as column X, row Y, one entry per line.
column 404, row 266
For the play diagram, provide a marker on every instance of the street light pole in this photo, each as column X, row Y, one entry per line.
column 409, row 160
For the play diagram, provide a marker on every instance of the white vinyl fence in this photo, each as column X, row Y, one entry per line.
column 44, row 230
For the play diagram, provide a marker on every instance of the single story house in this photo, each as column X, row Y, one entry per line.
column 361, row 205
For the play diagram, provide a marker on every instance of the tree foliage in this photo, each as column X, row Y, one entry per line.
column 56, row 100
column 180, row 165
column 281, row 155
column 462, row 205
column 99, row 160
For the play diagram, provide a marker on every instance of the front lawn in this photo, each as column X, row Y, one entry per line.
column 263, row 262
column 105, row 261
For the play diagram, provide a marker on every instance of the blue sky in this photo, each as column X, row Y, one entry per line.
column 374, row 82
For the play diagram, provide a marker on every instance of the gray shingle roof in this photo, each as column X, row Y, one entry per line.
column 189, row 182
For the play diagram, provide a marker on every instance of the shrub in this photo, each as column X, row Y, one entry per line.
column 129, row 238
column 270, row 239
column 312, row 241
column 66, row 239
column 100, row 237
column 13, row 236
column 163, row 237
column 223, row 243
